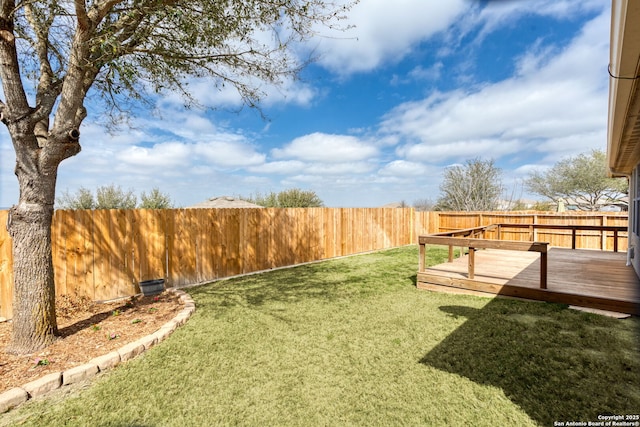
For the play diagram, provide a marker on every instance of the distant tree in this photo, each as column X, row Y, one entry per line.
column 82, row 199
column 113, row 197
column 291, row 198
column 155, row 200
column 476, row 186
column 269, row 200
column 424, row 205
column 543, row 206
column 107, row 197
column 581, row 181
column 518, row 205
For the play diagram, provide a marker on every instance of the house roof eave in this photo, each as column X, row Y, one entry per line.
column 623, row 140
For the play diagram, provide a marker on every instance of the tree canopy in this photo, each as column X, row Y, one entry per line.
column 580, row 181
column 113, row 197
column 423, row 205
column 82, row 199
column 291, row 198
column 155, row 199
column 474, row 186
column 55, row 54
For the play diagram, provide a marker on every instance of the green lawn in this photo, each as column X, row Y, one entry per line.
column 352, row 342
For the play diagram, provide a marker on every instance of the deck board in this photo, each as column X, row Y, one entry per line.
column 586, row 278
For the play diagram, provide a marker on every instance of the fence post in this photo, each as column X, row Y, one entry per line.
column 415, row 220
column 472, row 262
column 543, row 269
column 603, row 242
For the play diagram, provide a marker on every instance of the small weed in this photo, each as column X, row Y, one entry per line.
column 96, row 328
column 153, row 310
column 40, row 362
column 112, row 336
column 134, row 321
column 115, row 313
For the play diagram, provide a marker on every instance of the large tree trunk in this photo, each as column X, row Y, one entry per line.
column 34, row 319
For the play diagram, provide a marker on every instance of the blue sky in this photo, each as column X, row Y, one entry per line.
column 414, row 87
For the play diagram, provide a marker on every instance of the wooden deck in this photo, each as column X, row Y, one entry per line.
column 585, row 278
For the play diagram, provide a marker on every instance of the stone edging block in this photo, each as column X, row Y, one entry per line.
column 148, row 341
column 107, row 361
column 130, row 351
column 43, row 385
column 12, row 398
column 79, row 373
column 18, row 395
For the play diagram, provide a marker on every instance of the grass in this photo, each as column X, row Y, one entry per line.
column 352, row 342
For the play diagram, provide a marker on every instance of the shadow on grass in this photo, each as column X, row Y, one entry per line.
column 329, row 281
column 554, row 363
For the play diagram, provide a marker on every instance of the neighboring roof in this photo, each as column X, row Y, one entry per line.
column 392, row 205
column 396, row 205
column 225, row 202
column 623, row 139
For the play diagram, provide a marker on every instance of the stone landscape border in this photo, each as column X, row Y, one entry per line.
column 18, row 395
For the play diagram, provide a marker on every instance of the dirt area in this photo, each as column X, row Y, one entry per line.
column 87, row 330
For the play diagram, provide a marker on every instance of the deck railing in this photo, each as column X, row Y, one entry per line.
column 616, row 229
column 473, row 232
column 476, row 238
column 473, row 244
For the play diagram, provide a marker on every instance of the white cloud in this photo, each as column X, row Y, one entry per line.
column 304, row 178
column 285, row 167
column 504, row 13
column 351, row 168
column 556, row 148
column 557, row 99
column 459, row 150
column 163, row 155
column 229, row 153
column 385, row 31
column 321, row 147
column 321, row 169
column 431, row 73
column 207, row 93
column 403, row 168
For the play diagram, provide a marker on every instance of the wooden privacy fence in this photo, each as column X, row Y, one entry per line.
column 103, row 254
